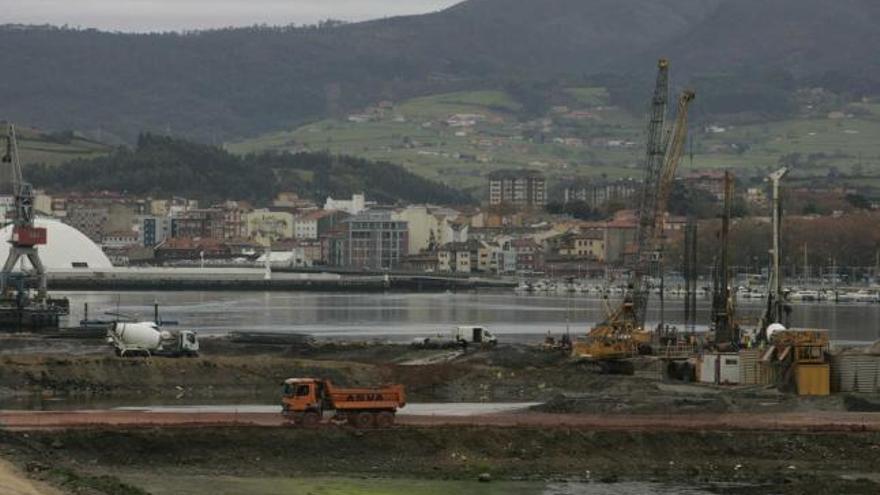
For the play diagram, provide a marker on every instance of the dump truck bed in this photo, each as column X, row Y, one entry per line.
column 387, row 398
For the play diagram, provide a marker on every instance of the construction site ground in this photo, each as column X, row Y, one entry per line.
column 72, row 418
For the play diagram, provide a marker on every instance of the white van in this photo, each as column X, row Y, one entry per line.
column 473, row 335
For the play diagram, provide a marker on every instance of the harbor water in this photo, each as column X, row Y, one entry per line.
column 378, row 315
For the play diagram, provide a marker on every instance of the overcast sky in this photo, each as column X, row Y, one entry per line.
column 164, row 15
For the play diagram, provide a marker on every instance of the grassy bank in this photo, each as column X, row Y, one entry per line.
column 152, row 459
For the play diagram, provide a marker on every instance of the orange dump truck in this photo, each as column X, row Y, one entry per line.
column 307, row 399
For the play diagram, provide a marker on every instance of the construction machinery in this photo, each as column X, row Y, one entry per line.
column 723, row 304
column 799, row 358
column 150, row 339
column 691, row 275
column 306, row 400
column 131, row 337
column 775, row 307
column 623, row 333
column 19, row 309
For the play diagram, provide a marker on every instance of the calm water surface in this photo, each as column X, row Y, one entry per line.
column 413, row 314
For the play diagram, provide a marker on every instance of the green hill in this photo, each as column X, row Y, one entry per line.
column 583, row 135
column 53, row 148
column 424, row 135
column 825, row 43
column 163, row 167
column 218, row 85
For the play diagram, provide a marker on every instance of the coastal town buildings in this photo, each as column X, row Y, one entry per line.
column 519, row 188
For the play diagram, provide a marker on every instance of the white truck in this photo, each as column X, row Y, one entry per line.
column 473, row 335
column 461, row 336
column 150, row 339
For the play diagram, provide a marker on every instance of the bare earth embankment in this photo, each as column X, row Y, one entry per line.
column 593, row 429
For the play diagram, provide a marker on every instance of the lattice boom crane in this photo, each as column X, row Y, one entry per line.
column 623, row 333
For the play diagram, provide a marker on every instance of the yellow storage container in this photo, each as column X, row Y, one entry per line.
column 813, row 379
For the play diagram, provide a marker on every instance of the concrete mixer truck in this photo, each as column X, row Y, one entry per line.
column 150, row 339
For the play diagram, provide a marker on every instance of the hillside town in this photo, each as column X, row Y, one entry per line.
column 512, row 233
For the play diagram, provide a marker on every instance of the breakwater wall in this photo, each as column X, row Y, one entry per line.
column 256, row 280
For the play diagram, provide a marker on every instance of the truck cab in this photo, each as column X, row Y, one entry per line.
column 188, row 343
column 301, row 395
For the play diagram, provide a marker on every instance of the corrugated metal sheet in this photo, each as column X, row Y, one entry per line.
column 866, row 373
column 768, row 374
column 845, row 372
column 855, row 373
column 749, row 372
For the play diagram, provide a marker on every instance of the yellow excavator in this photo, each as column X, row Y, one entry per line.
column 623, row 333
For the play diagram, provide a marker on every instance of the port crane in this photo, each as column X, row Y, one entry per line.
column 26, row 236
column 623, row 332
column 20, row 308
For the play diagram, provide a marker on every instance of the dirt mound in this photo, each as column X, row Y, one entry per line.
column 203, row 377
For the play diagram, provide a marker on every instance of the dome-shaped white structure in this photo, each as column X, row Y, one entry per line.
column 66, row 248
column 774, row 328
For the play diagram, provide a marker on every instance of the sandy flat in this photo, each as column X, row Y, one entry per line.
column 13, row 482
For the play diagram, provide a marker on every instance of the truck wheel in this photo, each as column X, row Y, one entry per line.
column 363, row 420
column 311, row 419
column 384, row 419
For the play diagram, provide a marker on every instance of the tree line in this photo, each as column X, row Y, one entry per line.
column 851, row 240
column 164, row 166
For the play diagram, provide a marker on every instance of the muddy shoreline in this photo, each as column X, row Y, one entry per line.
column 127, row 459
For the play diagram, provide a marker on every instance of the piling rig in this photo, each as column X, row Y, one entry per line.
column 623, row 332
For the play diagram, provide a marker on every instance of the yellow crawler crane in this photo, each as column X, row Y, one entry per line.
column 623, row 333
column 618, row 337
